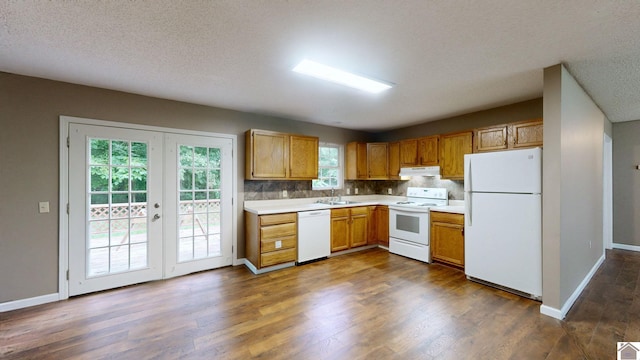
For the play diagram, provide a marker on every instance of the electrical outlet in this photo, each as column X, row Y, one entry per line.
column 348, row 191
column 390, row 191
column 355, row 191
column 284, row 193
column 43, row 207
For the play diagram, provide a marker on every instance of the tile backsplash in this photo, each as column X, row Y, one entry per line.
column 272, row 189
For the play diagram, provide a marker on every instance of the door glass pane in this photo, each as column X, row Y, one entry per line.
column 199, row 204
column 117, row 216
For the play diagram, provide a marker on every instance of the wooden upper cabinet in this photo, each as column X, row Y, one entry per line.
column 280, row 156
column 378, row 160
column 409, row 152
column 490, row 138
column 453, row 147
column 266, row 154
column 419, row 152
column 516, row 135
column 394, row 160
column 303, row 157
column 526, row 134
column 356, row 161
column 428, row 154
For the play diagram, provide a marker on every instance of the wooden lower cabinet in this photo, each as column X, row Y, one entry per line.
column 271, row 239
column 382, row 225
column 349, row 228
column 447, row 238
column 378, row 225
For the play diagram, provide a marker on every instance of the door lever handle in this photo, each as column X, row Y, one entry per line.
column 156, row 217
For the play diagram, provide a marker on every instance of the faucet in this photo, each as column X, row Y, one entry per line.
column 333, row 193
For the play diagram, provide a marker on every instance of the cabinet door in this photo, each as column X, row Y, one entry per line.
column 303, row 157
column 372, row 236
column 453, row 147
column 394, row 161
column 490, row 139
column 378, row 160
column 359, row 226
column 526, row 134
column 409, row 152
column 356, row 161
column 339, row 233
column 267, row 155
column 428, row 154
column 382, row 222
column 447, row 243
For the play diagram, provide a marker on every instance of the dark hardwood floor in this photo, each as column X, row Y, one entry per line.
column 366, row 305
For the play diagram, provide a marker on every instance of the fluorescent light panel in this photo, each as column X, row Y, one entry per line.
column 338, row 76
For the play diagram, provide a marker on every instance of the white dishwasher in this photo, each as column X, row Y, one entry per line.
column 314, row 235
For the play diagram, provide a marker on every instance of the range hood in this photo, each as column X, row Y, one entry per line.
column 420, row 171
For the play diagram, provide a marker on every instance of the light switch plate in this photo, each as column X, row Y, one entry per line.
column 278, row 244
column 43, row 207
column 390, row 191
column 284, row 193
column 348, row 191
column 356, row 191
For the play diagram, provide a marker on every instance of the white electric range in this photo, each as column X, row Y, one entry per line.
column 409, row 222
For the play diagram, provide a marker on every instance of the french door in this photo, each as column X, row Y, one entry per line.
column 115, row 207
column 145, row 205
column 198, row 195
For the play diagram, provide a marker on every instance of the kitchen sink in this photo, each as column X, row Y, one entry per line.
column 344, row 202
column 337, row 202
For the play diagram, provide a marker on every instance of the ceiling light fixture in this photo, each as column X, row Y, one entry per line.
column 338, row 76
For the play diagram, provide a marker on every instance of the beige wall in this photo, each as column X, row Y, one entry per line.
column 29, row 128
column 626, row 183
column 29, row 121
column 525, row 110
column 572, row 186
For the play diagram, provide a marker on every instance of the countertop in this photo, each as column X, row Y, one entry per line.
column 264, row 207
column 455, row 206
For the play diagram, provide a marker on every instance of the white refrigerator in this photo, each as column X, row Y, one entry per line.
column 503, row 219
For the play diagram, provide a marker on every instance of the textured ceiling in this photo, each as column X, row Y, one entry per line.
column 446, row 57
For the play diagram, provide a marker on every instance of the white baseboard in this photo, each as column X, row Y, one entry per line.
column 549, row 311
column 267, row 269
column 237, row 262
column 23, row 303
column 626, row 247
column 560, row 314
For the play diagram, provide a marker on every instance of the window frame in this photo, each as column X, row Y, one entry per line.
column 340, row 167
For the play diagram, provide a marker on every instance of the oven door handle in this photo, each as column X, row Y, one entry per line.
column 409, row 211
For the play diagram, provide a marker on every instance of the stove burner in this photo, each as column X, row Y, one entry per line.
column 405, row 202
column 427, row 204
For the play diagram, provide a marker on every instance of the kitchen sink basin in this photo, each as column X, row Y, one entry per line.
column 344, row 202
column 337, row 202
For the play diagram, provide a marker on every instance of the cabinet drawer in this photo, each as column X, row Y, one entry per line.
column 449, row 218
column 362, row 210
column 339, row 212
column 277, row 231
column 277, row 257
column 277, row 218
column 268, row 245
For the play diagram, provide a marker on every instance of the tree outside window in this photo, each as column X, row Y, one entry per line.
column 329, row 167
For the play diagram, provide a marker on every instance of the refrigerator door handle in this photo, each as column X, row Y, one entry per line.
column 469, row 215
column 467, row 190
